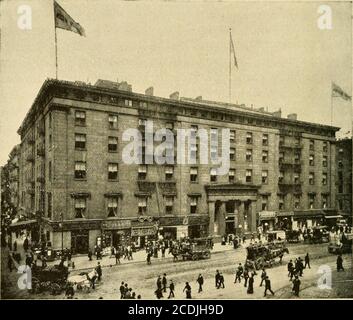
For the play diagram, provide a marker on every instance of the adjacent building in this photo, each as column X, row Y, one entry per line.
column 344, row 177
column 73, row 180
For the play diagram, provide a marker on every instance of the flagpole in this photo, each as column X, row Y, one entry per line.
column 230, row 65
column 56, row 44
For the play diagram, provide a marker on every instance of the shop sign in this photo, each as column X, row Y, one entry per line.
column 116, row 224
column 144, row 231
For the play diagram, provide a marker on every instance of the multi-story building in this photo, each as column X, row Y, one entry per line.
column 73, row 176
column 13, row 167
column 344, row 177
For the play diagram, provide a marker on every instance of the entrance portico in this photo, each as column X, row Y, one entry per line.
column 231, row 208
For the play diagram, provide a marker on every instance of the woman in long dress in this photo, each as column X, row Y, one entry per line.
column 251, row 284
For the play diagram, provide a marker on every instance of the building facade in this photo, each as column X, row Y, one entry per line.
column 344, row 177
column 73, row 179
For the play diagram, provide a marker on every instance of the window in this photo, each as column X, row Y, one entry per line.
column 265, row 139
column 324, row 178
column 311, row 201
column 80, row 170
column 340, row 164
column 264, row 202
column 311, row 145
column 281, row 177
column 281, row 140
column 169, row 172
column 311, row 160
column 143, row 104
column 311, row 178
column 142, row 122
column 297, row 158
column 193, row 174
column 112, row 171
column 50, row 205
column 324, row 161
column 281, row 202
column 232, row 154
column 50, row 171
column 194, row 129
column 50, row 141
column 296, row 178
column 324, row 201
column 193, row 204
column 169, row 202
column 142, row 205
column 264, row 176
column 142, row 172
column 193, row 151
column 50, row 120
column 232, row 135
column 213, row 175
column 80, row 207
column 112, row 207
column 248, row 155
column 264, row 156
column 214, row 152
column 296, row 202
column 281, row 157
column 113, row 121
column 231, row 175
column 324, row 146
column 80, row 118
column 80, row 141
column 112, row 144
column 248, row 175
column 249, row 138
column 297, row 141
column 128, row 103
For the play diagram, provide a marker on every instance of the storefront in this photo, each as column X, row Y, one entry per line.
column 267, row 220
column 197, row 226
column 144, row 229
column 116, row 232
column 80, row 241
column 284, row 220
column 307, row 219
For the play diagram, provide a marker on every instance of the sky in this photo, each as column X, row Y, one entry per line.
column 285, row 61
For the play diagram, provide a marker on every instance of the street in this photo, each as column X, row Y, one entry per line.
column 142, row 277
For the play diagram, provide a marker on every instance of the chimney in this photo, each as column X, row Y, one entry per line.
column 292, row 116
column 198, row 98
column 174, row 95
column 149, row 91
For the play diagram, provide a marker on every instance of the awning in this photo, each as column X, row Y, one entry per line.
column 23, row 223
column 267, row 215
column 285, row 214
column 333, row 217
column 309, row 214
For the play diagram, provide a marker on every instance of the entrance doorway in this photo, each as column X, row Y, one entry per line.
column 79, row 241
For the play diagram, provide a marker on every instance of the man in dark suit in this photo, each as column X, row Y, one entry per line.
column 268, row 286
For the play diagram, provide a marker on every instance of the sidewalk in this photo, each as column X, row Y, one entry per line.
column 82, row 262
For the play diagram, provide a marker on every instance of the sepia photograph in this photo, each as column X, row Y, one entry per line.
column 176, row 150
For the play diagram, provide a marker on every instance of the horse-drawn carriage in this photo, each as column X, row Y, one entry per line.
column 264, row 255
column 292, row 236
column 50, row 278
column 318, row 234
column 193, row 249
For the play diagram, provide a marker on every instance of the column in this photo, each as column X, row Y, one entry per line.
column 211, row 214
column 222, row 219
column 240, row 229
column 252, row 216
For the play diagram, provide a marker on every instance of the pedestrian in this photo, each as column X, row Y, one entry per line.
column 251, row 284
column 117, row 257
column 171, row 289
column 339, row 263
column 187, row 290
column 217, row 279
column 290, row 268
column 263, row 276
column 128, row 294
column 163, row 252
column 126, row 289
column 89, row 255
column 70, row 292
column 164, row 282
column 9, row 262
column 307, row 261
column 296, row 286
column 130, row 253
column 93, row 279
column 99, row 271
column 238, row 273
column 244, row 238
column 200, row 282
column 25, row 244
column 148, row 259
column 246, row 277
column 268, row 286
column 159, row 287
column 300, row 266
column 15, row 246
column 221, row 281
column 122, row 290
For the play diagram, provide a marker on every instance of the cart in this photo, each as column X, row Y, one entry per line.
column 194, row 249
column 51, row 279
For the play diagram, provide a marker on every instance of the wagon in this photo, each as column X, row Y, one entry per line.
column 51, row 279
column 264, row 255
column 195, row 249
